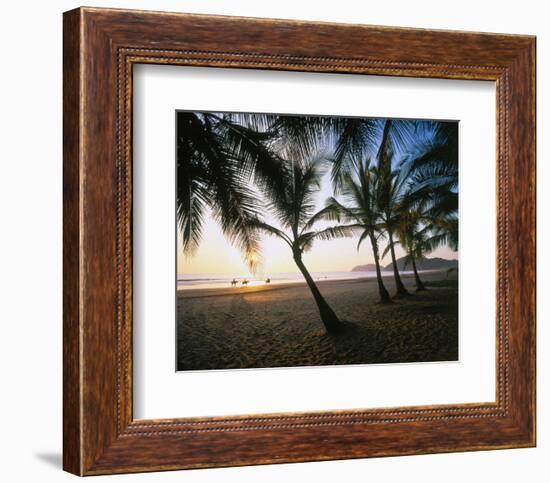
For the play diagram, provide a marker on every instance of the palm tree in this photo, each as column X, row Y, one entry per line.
column 219, row 154
column 217, row 157
column 360, row 207
column 415, row 239
column 360, row 138
column 391, row 187
column 429, row 208
column 432, row 167
column 294, row 207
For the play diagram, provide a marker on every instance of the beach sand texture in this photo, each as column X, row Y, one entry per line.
column 279, row 326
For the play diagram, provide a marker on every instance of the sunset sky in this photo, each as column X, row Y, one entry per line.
column 217, row 255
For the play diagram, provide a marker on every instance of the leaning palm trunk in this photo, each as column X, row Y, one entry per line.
column 328, row 317
column 419, row 285
column 384, row 295
column 293, row 206
column 400, row 288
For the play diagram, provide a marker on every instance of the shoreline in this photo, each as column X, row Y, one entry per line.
column 189, row 293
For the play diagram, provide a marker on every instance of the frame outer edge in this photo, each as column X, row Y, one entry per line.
column 533, row 356
column 72, row 320
column 522, row 179
column 91, row 445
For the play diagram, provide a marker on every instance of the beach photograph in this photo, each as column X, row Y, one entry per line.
column 315, row 240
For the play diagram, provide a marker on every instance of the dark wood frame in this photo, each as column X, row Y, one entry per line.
column 100, row 47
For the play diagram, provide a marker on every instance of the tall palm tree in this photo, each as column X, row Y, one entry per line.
column 390, row 217
column 360, row 207
column 294, row 209
column 391, row 187
column 360, row 138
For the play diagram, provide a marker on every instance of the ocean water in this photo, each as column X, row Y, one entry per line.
column 196, row 281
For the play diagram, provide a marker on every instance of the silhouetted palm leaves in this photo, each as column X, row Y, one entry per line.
column 217, row 159
column 360, row 207
column 424, row 176
column 393, row 180
column 432, row 164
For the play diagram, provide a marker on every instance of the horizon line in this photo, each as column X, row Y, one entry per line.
column 260, row 273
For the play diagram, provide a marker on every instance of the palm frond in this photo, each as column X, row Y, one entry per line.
column 389, row 247
column 364, row 235
column 257, row 224
column 354, row 139
column 333, row 232
column 329, row 213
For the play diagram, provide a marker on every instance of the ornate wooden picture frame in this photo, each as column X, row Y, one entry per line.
column 101, row 46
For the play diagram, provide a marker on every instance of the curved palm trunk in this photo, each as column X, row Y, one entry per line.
column 328, row 317
column 419, row 285
column 401, row 290
column 384, row 295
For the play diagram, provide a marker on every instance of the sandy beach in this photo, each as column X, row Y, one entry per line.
column 279, row 325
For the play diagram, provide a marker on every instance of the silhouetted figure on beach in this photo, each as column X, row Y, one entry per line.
column 234, row 282
column 268, row 280
column 245, row 282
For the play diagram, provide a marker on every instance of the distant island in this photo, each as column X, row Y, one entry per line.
column 425, row 264
column 369, row 267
